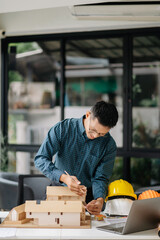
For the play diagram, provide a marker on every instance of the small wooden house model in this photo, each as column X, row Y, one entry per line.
column 62, row 208
column 18, row 215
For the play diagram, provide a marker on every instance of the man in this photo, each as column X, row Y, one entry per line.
column 85, row 149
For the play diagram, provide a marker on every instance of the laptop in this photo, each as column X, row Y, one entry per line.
column 143, row 215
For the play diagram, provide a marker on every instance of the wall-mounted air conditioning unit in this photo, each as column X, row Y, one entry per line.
column 119, row 10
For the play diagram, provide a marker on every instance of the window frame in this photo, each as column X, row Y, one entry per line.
column 127, row 151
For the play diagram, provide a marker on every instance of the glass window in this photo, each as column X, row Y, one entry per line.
column 19, row 162
column 33, row 96
column 94, row 71
column 146, row 92
column 117, row 170
column 145, row 172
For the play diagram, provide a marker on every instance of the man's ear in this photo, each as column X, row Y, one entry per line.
column 88, row 114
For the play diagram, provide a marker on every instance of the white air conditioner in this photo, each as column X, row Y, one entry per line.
column 119, row 10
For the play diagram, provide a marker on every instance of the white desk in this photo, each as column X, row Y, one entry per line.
column 78, row 234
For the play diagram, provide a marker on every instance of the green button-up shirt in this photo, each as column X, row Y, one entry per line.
column 90, row 160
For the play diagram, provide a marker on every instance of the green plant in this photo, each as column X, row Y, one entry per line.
column 25, row 46
column 141, row 172
column 136, row 88
column 3, row 154
column 143, row 136
column 145, row 171
column 15, row 76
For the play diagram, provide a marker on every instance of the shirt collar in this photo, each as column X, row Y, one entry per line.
column 81, row 126
column 82, row 129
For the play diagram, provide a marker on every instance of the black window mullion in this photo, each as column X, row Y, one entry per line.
column 63, row 80
column 4, row 89
column 127, row 98
column 126, row 169
column 127, row 104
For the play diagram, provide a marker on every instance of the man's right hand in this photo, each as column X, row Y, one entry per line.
column 74, row 184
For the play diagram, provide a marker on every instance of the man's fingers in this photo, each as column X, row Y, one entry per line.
column 93, row 207
column 74, row 179
column 84, row 188
column 93, row 212
column 74, row 185
column 78, row 189
column 91, row 204
column 78, row 192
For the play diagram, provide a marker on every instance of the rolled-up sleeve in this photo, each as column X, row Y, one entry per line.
column 103, row 172
column 43, row 159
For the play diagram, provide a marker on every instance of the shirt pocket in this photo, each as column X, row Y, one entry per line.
column 92, row 161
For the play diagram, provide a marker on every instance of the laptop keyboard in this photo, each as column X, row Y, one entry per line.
column 117, row 227
column 120, row 229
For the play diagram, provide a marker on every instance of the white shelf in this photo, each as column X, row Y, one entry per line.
column 32, row 111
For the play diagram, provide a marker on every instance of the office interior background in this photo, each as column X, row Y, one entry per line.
column 56, row 65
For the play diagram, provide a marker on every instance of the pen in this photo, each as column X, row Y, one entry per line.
column 84, row 203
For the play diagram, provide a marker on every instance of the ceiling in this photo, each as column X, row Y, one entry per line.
column 19, row 18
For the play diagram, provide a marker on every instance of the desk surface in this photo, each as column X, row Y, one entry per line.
column 77, row 234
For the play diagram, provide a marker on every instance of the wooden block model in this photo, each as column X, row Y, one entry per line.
column 61, row 209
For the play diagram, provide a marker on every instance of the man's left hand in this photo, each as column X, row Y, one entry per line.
column 95, row 206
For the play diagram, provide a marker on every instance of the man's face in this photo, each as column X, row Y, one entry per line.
column 93, row 128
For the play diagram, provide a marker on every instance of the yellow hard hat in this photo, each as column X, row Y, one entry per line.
column 120, row 188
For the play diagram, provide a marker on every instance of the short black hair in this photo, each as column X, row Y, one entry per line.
column 106, row 113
